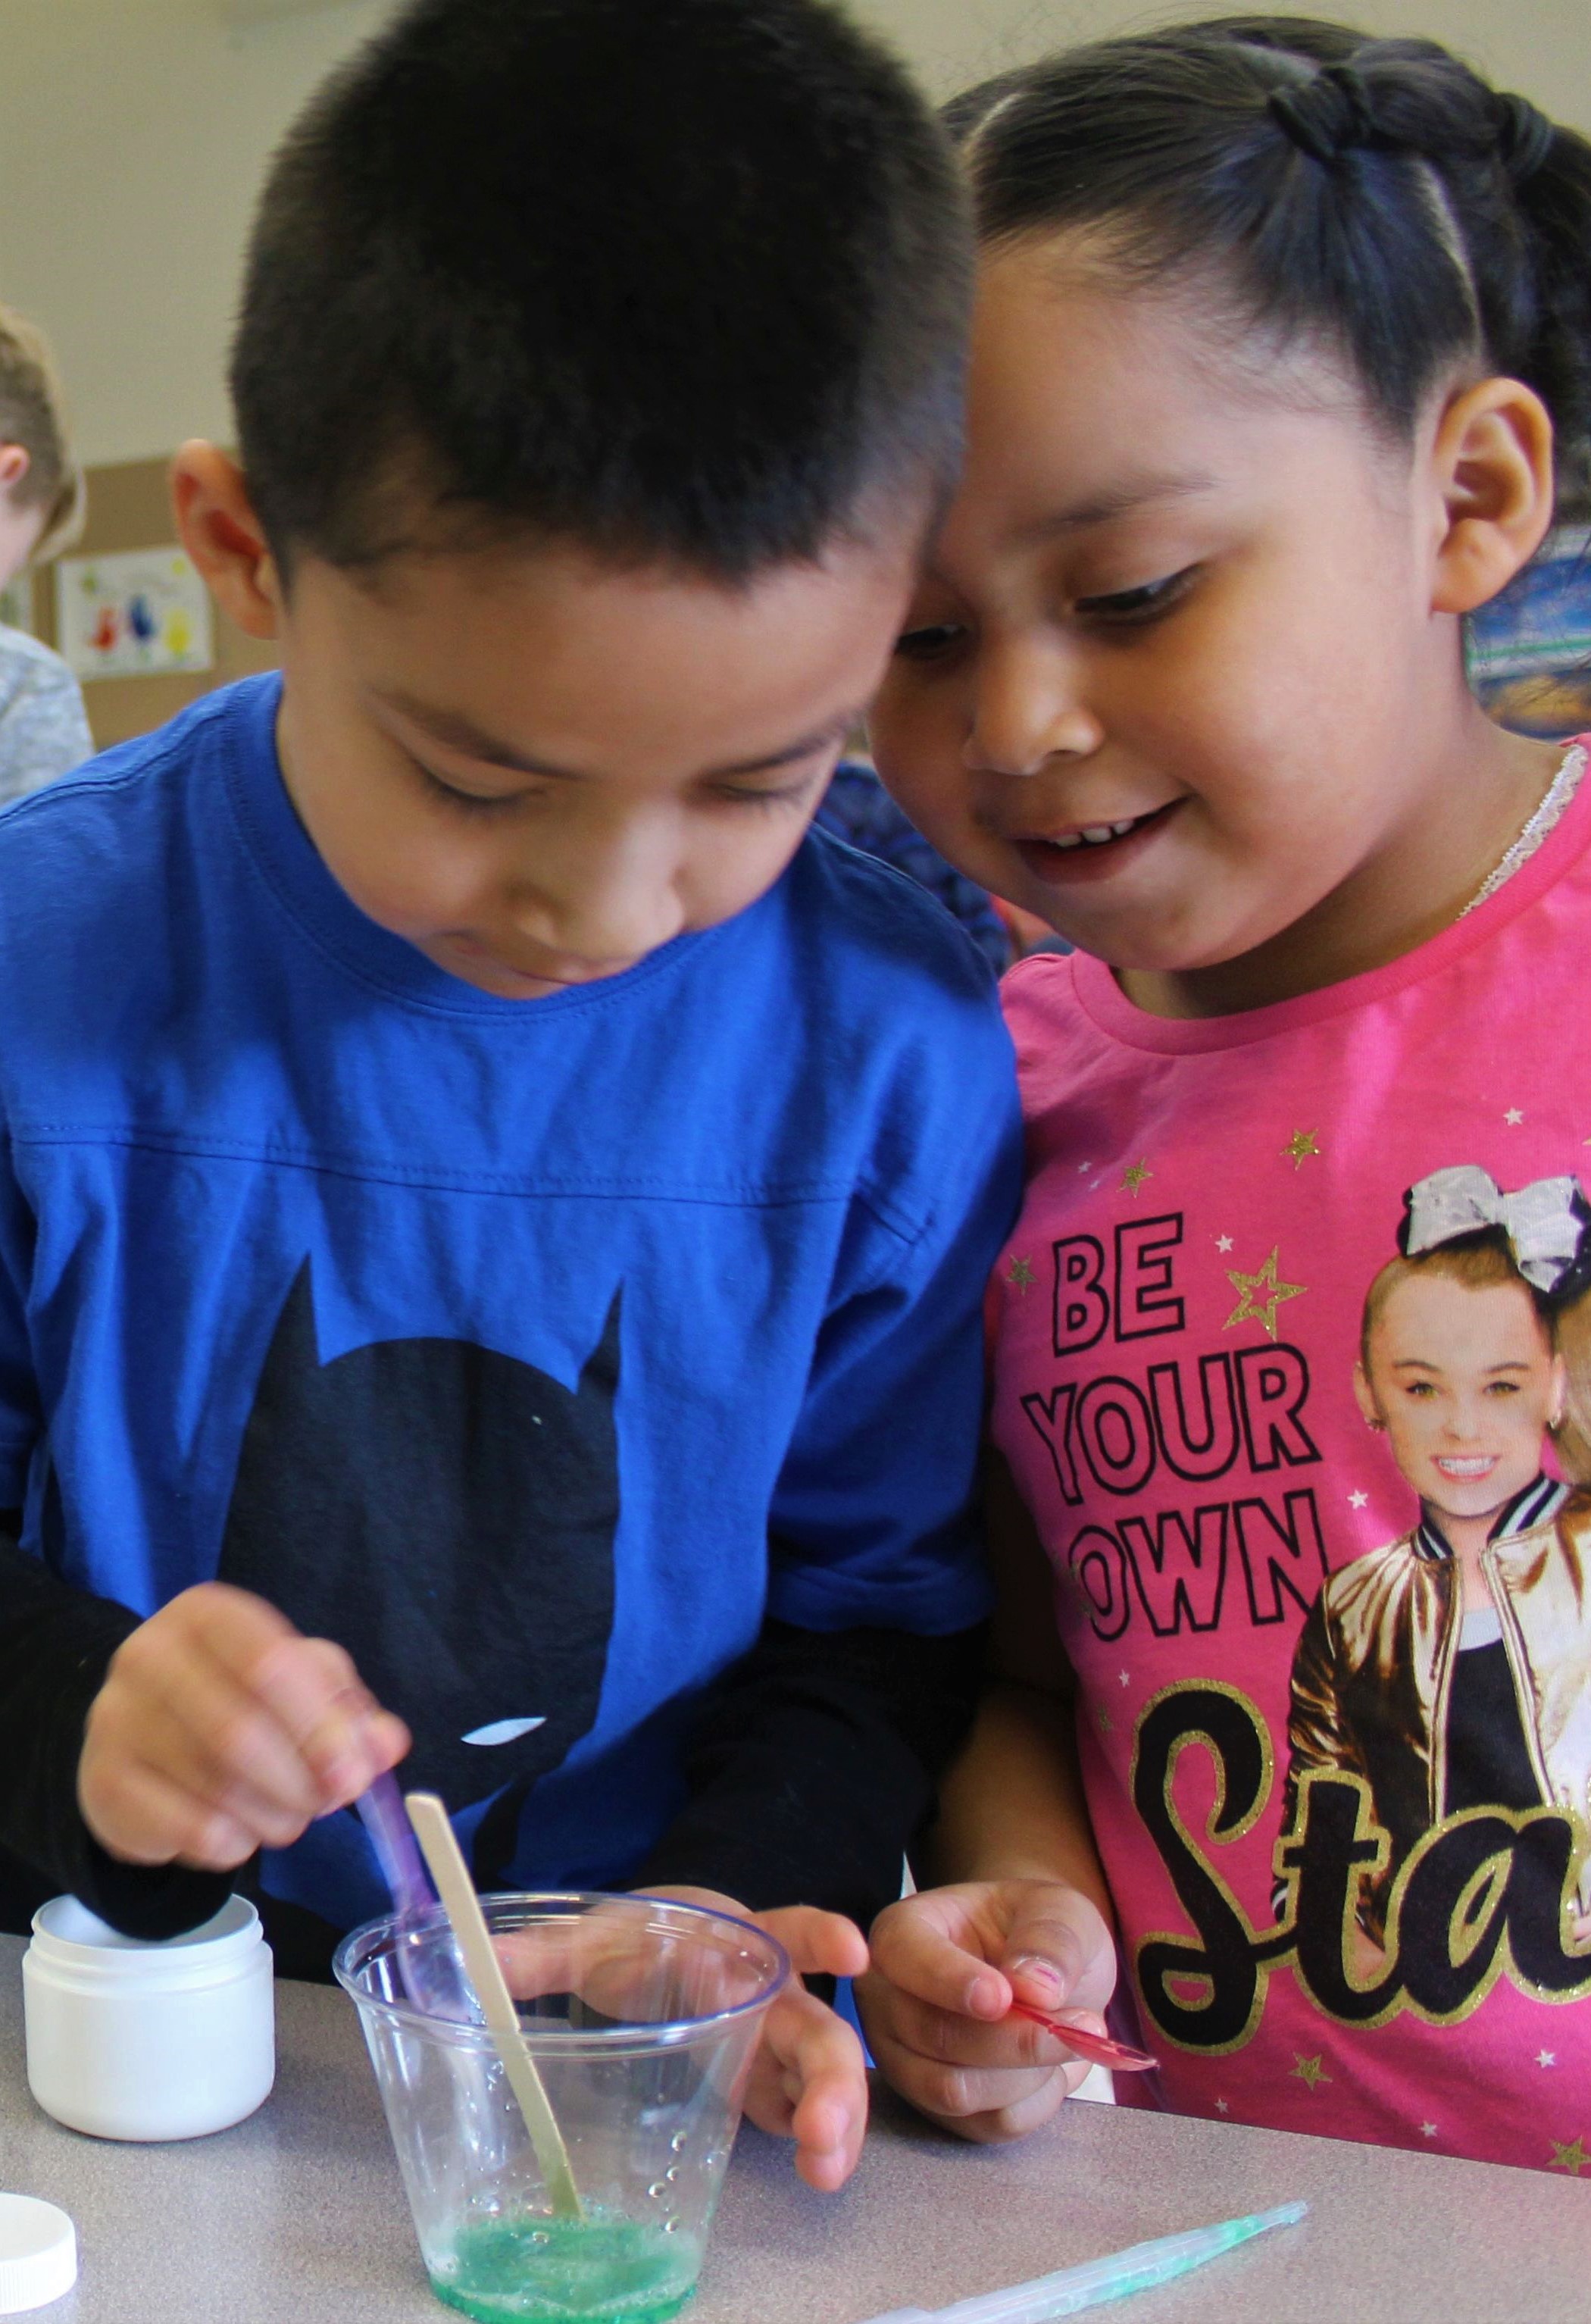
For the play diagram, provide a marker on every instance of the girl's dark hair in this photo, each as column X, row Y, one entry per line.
column 1375, row 197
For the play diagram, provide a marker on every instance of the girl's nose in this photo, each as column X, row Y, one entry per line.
column 1027, row 710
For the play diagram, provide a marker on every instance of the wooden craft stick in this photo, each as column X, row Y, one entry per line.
column 448, row 1870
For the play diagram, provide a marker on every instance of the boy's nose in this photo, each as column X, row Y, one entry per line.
column 1027, row 711
column 612, row 910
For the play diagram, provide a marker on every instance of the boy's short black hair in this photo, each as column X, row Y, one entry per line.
column 682, row 280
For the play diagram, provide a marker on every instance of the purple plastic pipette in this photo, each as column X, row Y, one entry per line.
column 431, row 1974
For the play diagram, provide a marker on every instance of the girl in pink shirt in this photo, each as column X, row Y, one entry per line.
column 1282, row 334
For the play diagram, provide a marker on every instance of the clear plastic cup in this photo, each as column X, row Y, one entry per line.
column 641, row 2018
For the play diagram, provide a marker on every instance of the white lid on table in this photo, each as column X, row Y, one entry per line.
column 37, row 2253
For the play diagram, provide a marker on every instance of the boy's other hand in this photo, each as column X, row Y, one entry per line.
column 947, row 1964
column 219, row 1729
column 809, row 2079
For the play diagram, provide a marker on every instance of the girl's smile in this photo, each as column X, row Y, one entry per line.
column 1097, row 851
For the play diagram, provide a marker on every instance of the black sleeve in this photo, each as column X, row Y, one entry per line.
column 812, row 1764
column 56, row 1644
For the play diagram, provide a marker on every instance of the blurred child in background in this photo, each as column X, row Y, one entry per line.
column 43, row 727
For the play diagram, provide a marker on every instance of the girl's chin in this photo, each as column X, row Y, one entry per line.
column 1484, row 1498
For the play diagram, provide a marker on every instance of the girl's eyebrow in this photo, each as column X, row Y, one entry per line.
column 1112, row 500
column 1423, row 1364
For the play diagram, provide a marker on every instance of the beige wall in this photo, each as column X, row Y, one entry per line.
column 133, row 133
column 1542, row 47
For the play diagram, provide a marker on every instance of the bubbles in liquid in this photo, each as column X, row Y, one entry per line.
column 657, row 2189
column 672, row 2173
column 680, row 2141
column 599, row 2270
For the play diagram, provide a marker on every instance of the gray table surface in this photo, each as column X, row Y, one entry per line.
column 297, row 2217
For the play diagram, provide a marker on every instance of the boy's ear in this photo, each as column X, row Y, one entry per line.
column 15, row 464
column 1493, row 460
column 216, row 524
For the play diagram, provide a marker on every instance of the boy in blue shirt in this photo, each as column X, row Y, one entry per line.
column 492, row 1210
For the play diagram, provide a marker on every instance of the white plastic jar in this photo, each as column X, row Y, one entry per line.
column 128, row 2040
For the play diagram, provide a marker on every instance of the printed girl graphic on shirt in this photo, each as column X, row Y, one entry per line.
column 1450, row 1670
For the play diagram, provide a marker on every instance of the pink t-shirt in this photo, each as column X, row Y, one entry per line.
column 1329, row 1805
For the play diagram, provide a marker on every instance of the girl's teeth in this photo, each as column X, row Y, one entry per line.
column 1094, row 834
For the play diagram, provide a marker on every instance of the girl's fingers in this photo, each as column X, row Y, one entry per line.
column 945, row 2037
column 912, row 1950
column 1017, row 2118
column 1059, row 1950
column 954, row 2093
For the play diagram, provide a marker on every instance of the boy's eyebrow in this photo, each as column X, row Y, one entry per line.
column 1120, row 500
column 459, row 733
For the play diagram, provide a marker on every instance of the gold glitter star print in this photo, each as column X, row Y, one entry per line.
column 1134, row 1177
column 1299, row 1146
column 1020, row 1274
column 1260, row 1295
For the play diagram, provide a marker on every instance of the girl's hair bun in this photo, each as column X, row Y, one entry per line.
column 1376, row 199
column 1525, row 138
column 1326, row 117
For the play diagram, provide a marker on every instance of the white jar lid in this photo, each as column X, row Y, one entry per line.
column 37, row 2253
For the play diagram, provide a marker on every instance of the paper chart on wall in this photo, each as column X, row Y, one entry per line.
column 133, row 614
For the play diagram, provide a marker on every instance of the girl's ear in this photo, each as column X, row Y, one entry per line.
column 1492, row 469
column 1365, row 1396
column 216, row 524
column 1558, row 1406
column 14, row 463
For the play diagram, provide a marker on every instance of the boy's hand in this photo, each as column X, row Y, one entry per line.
column 946, row 1967
column 809, row 2077
column 219, row 1731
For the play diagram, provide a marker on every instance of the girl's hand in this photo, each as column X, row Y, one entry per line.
column 947, row 1964
column 219, row 1729
column 809, row 2077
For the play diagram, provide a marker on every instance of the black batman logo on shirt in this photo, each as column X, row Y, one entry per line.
column 448, row 1513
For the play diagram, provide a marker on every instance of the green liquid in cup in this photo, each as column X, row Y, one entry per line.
column 591, row 2270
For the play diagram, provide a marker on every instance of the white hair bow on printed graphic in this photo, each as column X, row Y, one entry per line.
column 1544, row 1222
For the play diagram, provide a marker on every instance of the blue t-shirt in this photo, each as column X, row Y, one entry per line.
column 536, row 1350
